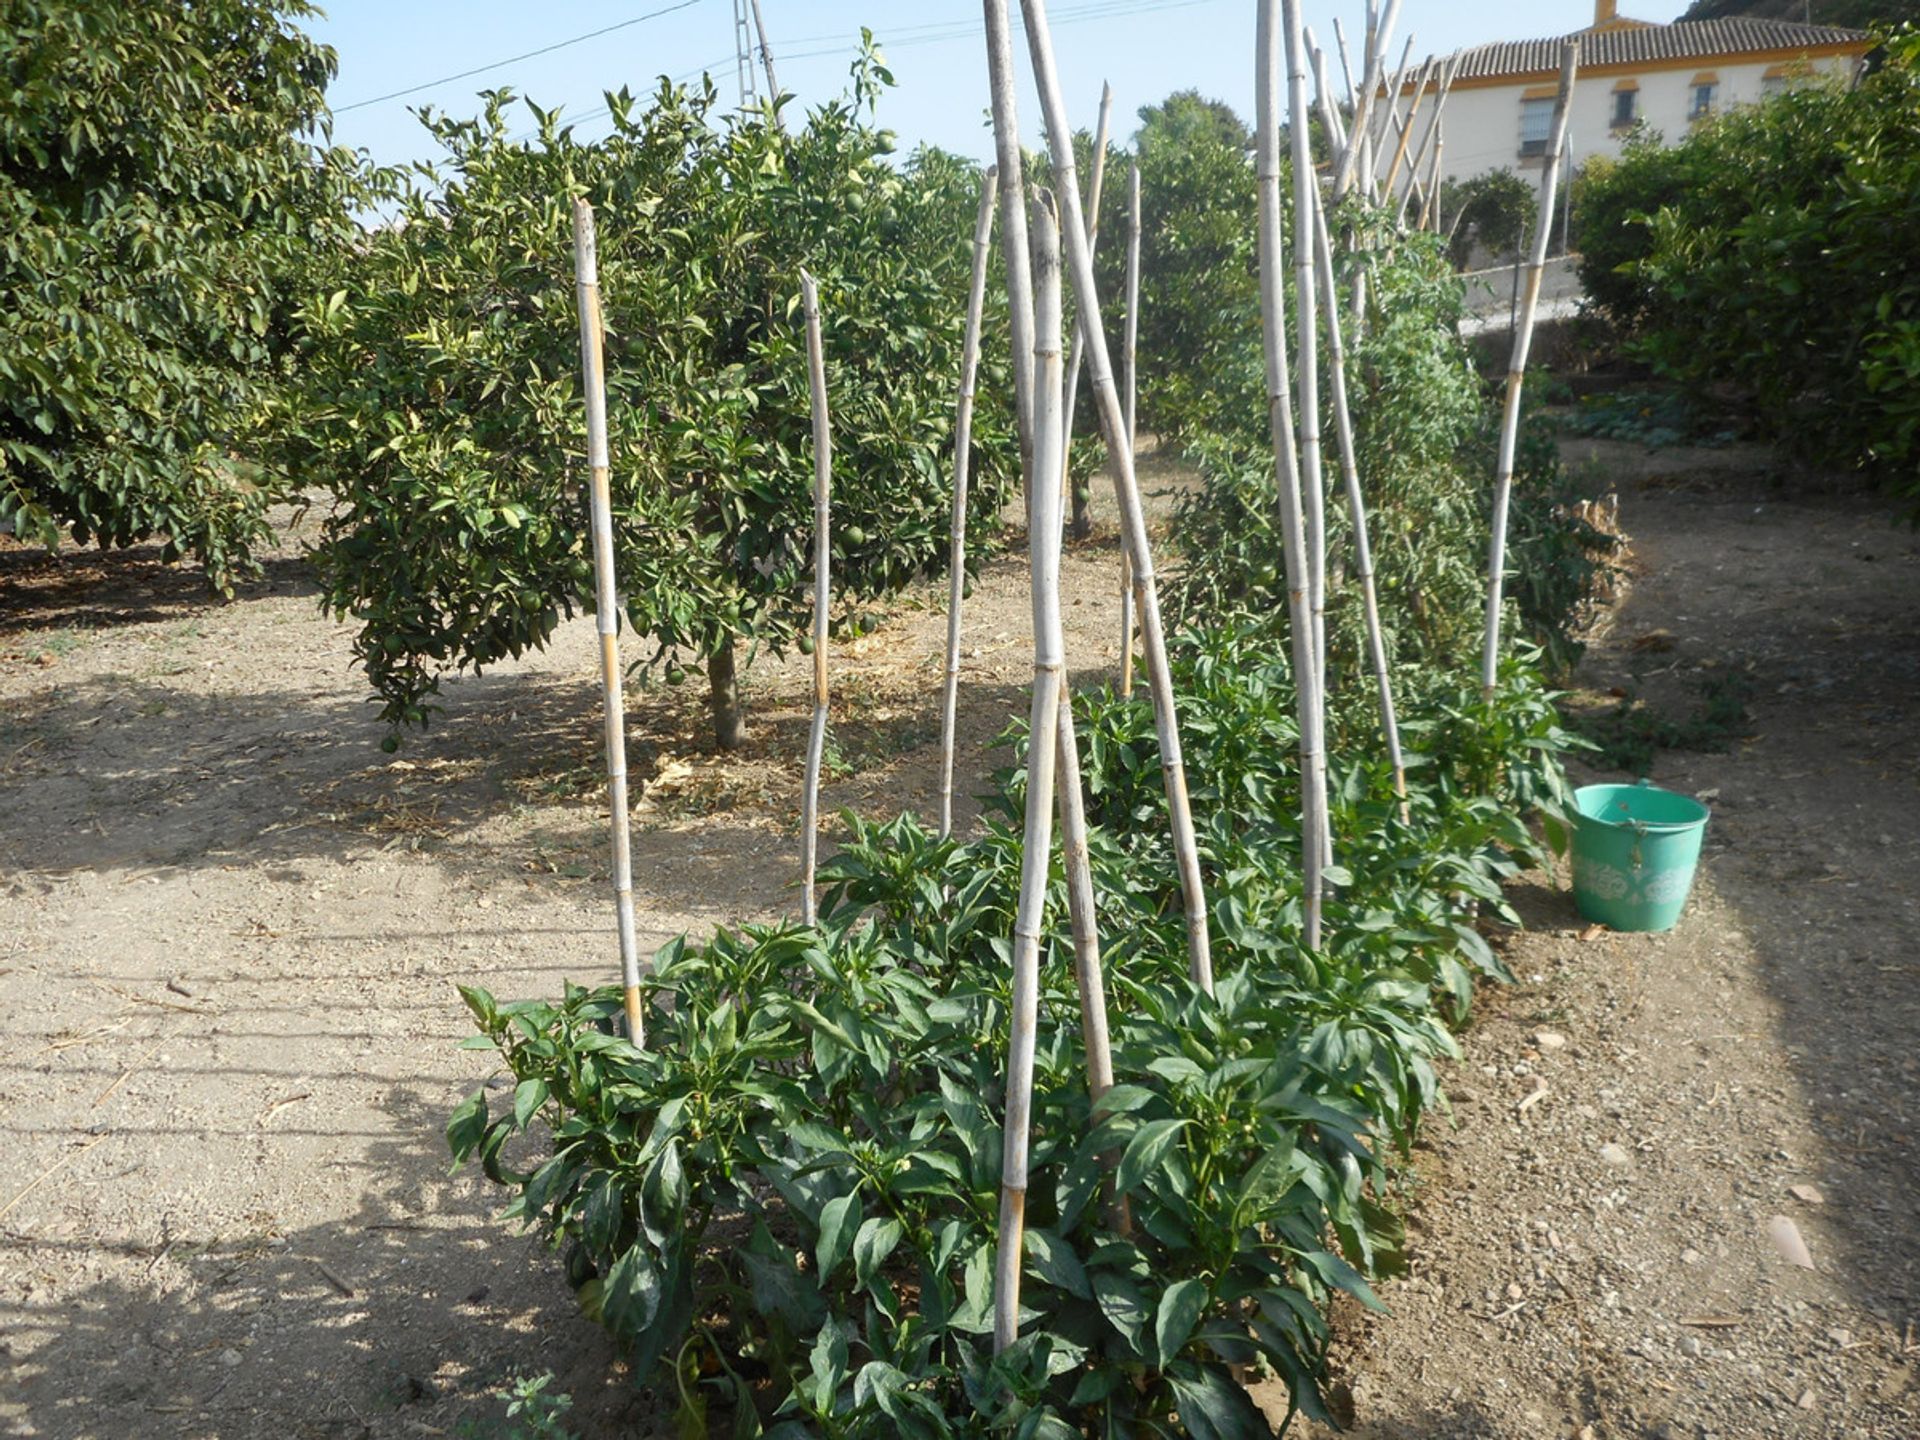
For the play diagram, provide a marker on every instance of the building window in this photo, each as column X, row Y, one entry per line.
column 1626, row 109
column 1701, row 104
column 1536, row 124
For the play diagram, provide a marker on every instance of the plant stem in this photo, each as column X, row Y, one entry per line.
column 822, row 579
column 586, row 272
column 962, row 458
column 1517, row 367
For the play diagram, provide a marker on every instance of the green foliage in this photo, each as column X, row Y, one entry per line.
column 1494, row 210
column 162, row 206
column 790, row 1196
column 533, row 1413
column 1424, row 441
column 447, row 409
column 1199, row 281
column 1630, row 734
column 1768, row 254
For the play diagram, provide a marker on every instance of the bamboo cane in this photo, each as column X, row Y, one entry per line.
column 1082, row 494
column 1517, row 366
column 1014, row 251
column 1273, row 326
column 1307, row 371
column 1324, row 99
column 1129, row 359
column 1043, row 558
column 606, row 604
column 822, row 561
column 1127, row 491
column 1356, row 502
column 1442, row 87
column 1420, row 81
column 1346, row 65
column 962, row 460
column 1386, row 119
column 1431, row 209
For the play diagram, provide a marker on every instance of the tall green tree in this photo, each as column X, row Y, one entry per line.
column 446, row 412
column 162, row 198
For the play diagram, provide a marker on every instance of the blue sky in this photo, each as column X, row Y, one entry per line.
column 1146, row 48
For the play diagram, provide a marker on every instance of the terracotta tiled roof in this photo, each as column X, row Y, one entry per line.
column 1644, row 44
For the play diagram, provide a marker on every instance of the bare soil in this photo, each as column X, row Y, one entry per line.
column 230, row 928
column 230, row 932
column 1592, row 1253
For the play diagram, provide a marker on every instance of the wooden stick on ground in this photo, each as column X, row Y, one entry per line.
column 1043, row 558
column 1273, row 326
column 1517, row 367
column 962, row 458
column 822, row 594
column 1129, row 360
column 1083, row 492
column 1356, row 502
column 1079, row 256
column 586, row 273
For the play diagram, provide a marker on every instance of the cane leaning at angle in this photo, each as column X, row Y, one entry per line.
column 586, row 274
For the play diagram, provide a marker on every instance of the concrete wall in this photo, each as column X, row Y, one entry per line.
column 1482, row 124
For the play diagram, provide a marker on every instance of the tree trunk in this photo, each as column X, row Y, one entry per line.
column 729, row 724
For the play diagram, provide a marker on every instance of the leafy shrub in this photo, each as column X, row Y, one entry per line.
column 164, row 206
column 1766, row 254
column 446, row 405
column 789, row 1201
column 1493, row 210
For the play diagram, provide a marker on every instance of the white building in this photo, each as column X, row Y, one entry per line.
column 1631, row 73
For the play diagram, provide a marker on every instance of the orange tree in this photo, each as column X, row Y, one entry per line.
column 444, row 403
column 163, row 204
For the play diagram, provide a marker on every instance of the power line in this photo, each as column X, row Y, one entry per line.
column 516, row 59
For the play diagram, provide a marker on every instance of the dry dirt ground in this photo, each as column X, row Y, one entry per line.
column 230, row 930
column 1593, row 1252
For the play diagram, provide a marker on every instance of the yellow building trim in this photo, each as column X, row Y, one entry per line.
column 1627, row 84
column 1705, row 77
column 1800, row 55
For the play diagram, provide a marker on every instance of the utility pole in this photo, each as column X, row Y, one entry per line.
column 766, row 51
column 743, row 55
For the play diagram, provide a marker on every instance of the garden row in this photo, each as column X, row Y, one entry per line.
column 793, row 1202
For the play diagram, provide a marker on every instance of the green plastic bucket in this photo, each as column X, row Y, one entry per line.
column 1634, row 852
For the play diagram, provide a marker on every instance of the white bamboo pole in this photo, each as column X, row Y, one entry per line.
column 1442, row 87
column 606, row 603
column 1517, row 366
column 822, row 579
column 1043, row 558
column 1307, row 373
column 1346, row 66
column 962, row 460
column 1082, row 520
column 1273, row 326
column 1127, row 491
column 1080, row 899
column 1324, row 99
column 1386, row 118
column 1356, row 502
column 1014, row 250
column 1347, row 172
column 1430, row 209
column 1129, row 360
column 1420, row 81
